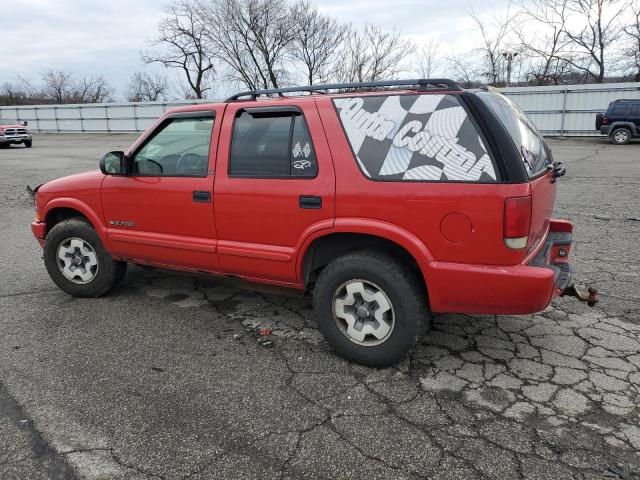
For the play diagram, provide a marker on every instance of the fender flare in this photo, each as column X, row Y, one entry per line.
column 623, row 124
column 416, row 248
column 84, row 209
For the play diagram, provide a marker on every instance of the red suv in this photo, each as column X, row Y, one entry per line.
column 388, row 199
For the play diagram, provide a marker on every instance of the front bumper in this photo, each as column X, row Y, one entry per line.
column 14, row 139
column 503, row 290
column 39, row 230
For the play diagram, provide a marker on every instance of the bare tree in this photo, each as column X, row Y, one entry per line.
column 59, row 86
column 18, row 94
column 547, row 49
column 592, row 34
column 494, row 31
column 317, row 41
column 428, row 59
column 372, row 54
column 252, row 38
column 182, row 44
column 632, row 32
column 147, row 88
column 464, row 70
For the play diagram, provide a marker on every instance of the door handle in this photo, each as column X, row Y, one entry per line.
column 201, row 196
column 311, row 202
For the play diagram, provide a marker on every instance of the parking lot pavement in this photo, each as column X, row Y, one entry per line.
column 167, row 377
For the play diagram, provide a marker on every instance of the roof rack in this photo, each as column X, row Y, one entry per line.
column 421, row 83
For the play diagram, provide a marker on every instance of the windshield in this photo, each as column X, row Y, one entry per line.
column 536, row 156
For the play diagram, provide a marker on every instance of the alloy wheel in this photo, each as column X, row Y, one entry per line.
column 363, row 312
column 77, row 260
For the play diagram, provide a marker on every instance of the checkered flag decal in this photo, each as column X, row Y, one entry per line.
column 414, row 137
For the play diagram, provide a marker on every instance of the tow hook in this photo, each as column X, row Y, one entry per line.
column 591, row 298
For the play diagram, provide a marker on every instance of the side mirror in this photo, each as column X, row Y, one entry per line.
column 114, row 163
column 25, row 123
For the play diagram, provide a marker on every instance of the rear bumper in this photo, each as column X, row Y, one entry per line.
column 503, row 290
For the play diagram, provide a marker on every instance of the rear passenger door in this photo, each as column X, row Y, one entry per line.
column 634, row 116
column 274, row 186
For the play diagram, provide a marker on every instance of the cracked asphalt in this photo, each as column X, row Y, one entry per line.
column 169, row 377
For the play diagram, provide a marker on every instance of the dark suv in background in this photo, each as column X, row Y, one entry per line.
column 621, row 121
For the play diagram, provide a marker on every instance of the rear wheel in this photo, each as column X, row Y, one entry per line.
column 78, row 263
column 370, row 307
column 621, row 136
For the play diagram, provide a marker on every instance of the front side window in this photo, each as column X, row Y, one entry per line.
column 426, row 137
column 179, row 148
column 271, row 146
column 635, row 110
column 535, row 153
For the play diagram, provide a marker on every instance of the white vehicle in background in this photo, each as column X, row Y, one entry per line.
column 14, row 133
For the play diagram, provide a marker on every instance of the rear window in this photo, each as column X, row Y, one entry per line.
column 535, row 153
column 619, row 109
column 415, row 138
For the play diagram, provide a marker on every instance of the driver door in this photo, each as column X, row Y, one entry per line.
column 162, row 211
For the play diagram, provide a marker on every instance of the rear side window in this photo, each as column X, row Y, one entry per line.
column 536, row 155
column 272, row 146
column 619, row 109
column 415, row 138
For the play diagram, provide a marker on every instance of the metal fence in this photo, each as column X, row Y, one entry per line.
column 566, row 110
column 569, row 110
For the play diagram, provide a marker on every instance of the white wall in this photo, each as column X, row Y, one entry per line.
column 566, row 110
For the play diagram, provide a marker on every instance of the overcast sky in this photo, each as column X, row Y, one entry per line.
column 105, row 38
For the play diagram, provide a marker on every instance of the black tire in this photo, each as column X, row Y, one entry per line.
column 28, row 143
column 402, row 287
column 109, row 272
column 621, row 136
column 4, row 145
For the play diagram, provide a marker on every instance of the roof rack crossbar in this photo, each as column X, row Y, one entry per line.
column 421, row 83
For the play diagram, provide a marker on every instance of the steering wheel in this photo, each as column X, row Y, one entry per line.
column 190, row 164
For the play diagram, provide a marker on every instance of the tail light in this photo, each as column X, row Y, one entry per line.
column 517, row 220
column 605, row 120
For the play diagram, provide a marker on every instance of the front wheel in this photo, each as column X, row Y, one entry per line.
column 78, row 263
column 28, row 143
column 370, row 308
column 621, row 136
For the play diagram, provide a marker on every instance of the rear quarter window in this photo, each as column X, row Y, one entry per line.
column 416, row 137
column 619, row 110
column 535, row 153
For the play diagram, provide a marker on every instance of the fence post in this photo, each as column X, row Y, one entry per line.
column 55, row 117
column 35, row 114
column 564, row 110
column 135, row 117
column 81, row 119
column 106, row 117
